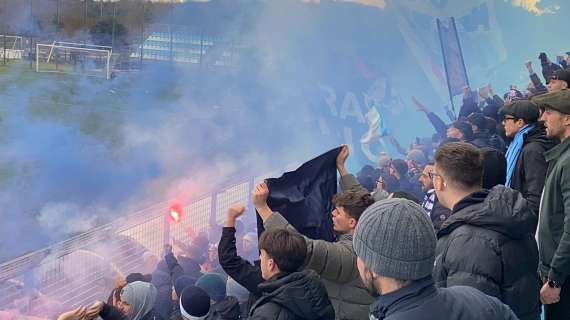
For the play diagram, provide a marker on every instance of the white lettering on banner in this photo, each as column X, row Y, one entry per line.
column 330, row 99
column 351, row 107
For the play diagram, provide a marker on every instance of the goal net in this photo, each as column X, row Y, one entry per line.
column 11, row 47
column 74, row 58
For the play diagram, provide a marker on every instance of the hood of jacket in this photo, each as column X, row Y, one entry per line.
column 503, row 210
column 302, row 293
column 538, row 135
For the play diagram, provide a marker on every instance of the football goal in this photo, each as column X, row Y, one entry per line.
column 11, row 47
column 74, row 58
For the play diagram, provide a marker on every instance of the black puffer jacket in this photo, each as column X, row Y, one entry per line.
column 486, row 140
column 298, row 295
column 488, row 244
column 227, row 309
column 530, row 170
column 494, row 167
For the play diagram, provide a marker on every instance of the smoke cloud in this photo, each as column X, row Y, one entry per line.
column 79, row 152
column 533, row 6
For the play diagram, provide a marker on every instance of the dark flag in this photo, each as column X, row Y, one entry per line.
column 452, row 56
column 304, row 196
column 455, row 70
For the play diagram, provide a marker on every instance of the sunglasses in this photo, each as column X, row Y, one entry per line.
column 509, row 118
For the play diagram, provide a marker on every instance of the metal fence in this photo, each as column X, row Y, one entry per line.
column 137, row 30
column 82, row 269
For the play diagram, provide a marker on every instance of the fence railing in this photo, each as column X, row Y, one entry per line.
column 81, row 269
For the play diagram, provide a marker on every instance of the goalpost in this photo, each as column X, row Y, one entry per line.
column 11, row 47
column 74, row 58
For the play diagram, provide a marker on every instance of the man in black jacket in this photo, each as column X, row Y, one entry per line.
column 286, row 292
column 245, row 273
column 548, row 67
column 399, row 170
column 395, row 244
column 488, row 241
column 482, row 138
column 526, row 166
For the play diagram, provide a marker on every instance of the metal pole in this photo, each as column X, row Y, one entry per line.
column 113, row 32
column 5, row 31
column 142, row 33
column 58, row 27
column 170, row 31
column 32, row 32
column 84, row 19
column 37, row 59
column 201, row 47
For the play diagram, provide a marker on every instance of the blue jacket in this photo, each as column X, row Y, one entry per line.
column 421, row 300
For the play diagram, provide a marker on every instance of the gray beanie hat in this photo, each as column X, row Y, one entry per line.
column 395, row 238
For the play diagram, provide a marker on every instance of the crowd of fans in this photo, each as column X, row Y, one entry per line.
column 474, row 223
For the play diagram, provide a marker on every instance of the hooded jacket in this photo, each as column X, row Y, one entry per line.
column 488, row 243
column 421, row 300
column 530, row 169
column 227, row 309
column 297, row 295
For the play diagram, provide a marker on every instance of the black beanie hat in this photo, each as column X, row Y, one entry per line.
column 194, row 303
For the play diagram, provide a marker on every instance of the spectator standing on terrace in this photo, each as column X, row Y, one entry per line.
column 212, row 264
column 194, row 304
column 548, row 67
column 222, row 306
column 526, row 166
column 249, row 247
column 286, row 292
column 560, row 80
column 137, row 303
column 234, row 289
column 554, row 225
column 435, row 210
column 488, row 241
column 536, row 87
column 492, row 102
column 247, row 274
column 469, row 105
column 384, row 161
column 395, row 244
column 399, row 170
column 460, row 130
column 482, row 137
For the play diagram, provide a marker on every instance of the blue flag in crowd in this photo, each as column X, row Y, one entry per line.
column 304, row 196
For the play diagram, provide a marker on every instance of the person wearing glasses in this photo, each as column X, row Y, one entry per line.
column 488, row 241
column 526, row 166
column 435, row 210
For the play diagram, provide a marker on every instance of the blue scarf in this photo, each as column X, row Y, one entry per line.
column 514, row 151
